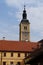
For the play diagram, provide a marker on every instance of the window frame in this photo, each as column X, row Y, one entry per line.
column 18, row 54
column 25, row 27
column 4, row 63
column 11, row 63
column 11, row 54
column 25, row 54
column 4, row 54
column 18, row 63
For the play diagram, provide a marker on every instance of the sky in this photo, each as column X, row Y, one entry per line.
column 11, row 15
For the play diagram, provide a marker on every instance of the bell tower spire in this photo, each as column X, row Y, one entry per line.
column 24, row 27
column 24, row 13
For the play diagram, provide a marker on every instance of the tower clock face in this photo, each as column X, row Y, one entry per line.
column 25, row 35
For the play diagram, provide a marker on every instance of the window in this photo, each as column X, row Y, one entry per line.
column 11, row 63
column 4, row 54
column 18, row 63
column 4, row 63
column 28, row 54
column 25, row 54
column 18, row 54
column 25, row 27
column 12, row 54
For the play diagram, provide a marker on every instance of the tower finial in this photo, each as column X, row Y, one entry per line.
column 24, row 7
column 24, row 13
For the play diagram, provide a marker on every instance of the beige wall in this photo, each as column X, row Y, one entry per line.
column 28, row 27
column 9, row 59
column 24, row 36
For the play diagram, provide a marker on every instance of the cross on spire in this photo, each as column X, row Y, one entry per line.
column 24, row 13
column 24, row 7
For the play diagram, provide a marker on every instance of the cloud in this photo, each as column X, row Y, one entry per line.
column 10, row 13
column 19, row 3
column 36, row 19
column 8, row 31
column 13, row 2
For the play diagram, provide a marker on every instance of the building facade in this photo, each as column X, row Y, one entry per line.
column 13, row 52
column 11, row 58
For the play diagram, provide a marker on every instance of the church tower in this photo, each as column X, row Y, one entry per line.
column 24, row 27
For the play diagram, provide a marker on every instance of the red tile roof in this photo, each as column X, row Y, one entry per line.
column 6, row 45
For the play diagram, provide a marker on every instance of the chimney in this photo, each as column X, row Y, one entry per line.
column 3, row 38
